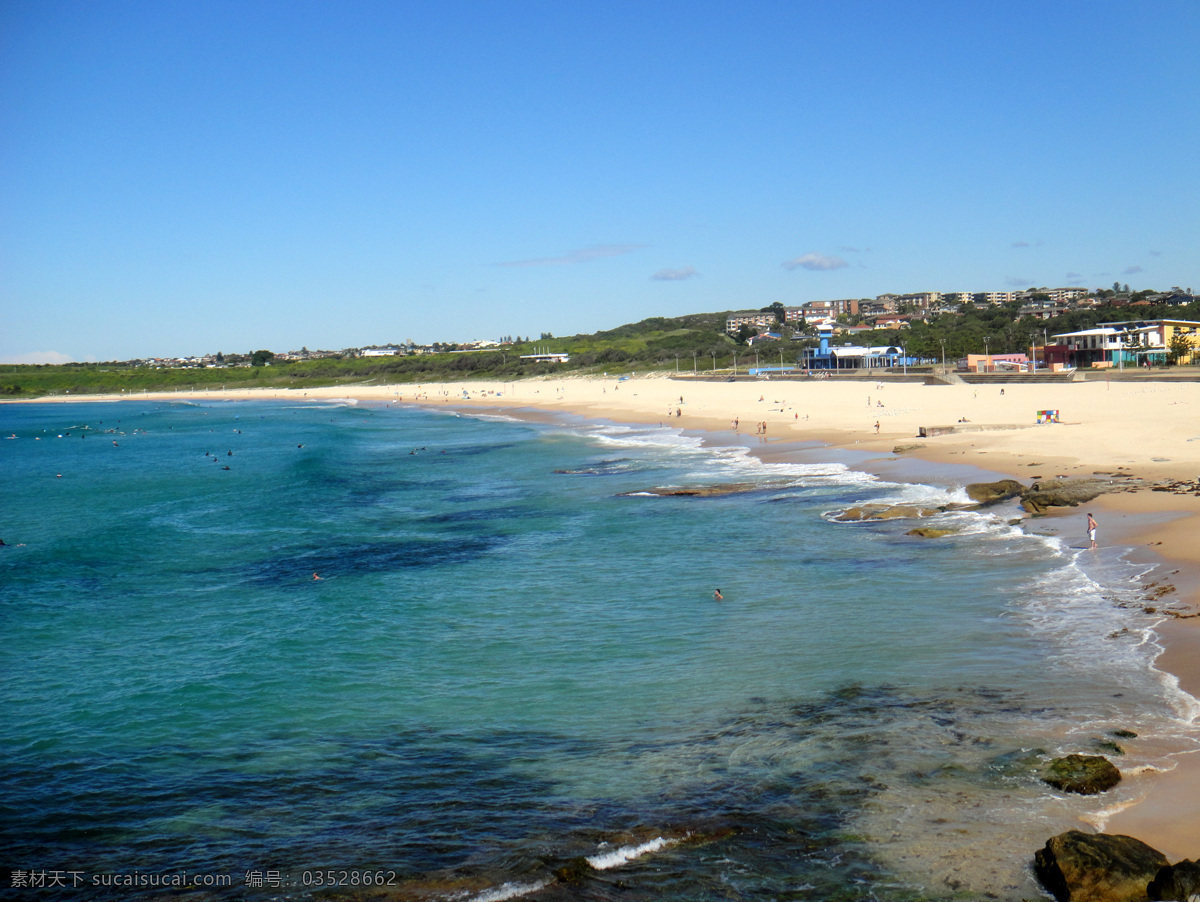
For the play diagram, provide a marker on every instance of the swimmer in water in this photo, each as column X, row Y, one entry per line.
column 717, row 596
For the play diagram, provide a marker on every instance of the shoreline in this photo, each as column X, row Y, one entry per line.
column 1109, row 423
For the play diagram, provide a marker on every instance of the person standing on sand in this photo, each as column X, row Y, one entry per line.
column 877, row 427
column 1091, row 530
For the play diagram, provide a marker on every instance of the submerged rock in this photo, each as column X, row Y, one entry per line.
column 994, row 492
column 575, row 871
column 884, row 512
column 1085, row 867
column 1082, row 774
column 930, row 532
column 701, row 491
column 904, row 449
column 1176, row 881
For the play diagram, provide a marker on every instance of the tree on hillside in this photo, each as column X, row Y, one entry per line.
column 261, row 358
column 778, row 309
column 745, row 331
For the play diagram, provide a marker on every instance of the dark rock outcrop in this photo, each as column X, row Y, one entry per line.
column 1176, row 882
column 994, row 492
column 1082, row 774
column 1063, row 493
column 1097, row 867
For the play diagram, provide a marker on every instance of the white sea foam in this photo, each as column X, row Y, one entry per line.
column 506, row 891
column 625, row 854
column 714, row 463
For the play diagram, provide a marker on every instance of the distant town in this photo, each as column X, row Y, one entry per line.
column 896, row 311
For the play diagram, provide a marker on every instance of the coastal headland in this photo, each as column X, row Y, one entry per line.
column 1136, row 443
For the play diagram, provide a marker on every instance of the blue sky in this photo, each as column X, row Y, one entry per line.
column 191, row 177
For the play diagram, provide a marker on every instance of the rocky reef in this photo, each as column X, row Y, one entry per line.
column 1082, row 774
column 1097, row 867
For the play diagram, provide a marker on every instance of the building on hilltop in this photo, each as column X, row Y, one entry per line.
column 757, row 318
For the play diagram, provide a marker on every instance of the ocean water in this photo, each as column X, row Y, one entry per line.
column 512, row 662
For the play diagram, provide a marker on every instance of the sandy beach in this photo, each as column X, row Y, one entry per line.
column 1146, row 429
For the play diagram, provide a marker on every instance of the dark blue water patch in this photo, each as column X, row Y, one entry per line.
column 449, row 452
column 619, row 466
column 382, row 556
column 415, row 802
column 486, row 515
column 439, row 807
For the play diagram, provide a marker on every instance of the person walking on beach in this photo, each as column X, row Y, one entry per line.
column 877, row 427
column 1091, row 530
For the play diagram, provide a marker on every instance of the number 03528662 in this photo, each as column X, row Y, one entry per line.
column 348, row 878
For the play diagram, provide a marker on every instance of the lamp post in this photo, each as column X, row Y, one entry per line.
column 714, row 353
column 695, row 372
column 943, row 341
column 676, row 364
column 987, row 353
column 735, row 364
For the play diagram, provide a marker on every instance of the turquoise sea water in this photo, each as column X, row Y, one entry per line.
column 513, row 658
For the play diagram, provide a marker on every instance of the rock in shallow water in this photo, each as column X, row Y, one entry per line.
column 1176, row 881
column 1082, row 867
column 1082, row 774
column 994, row 492
column 884, row 512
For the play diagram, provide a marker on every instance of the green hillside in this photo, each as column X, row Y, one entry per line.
column 695, row 342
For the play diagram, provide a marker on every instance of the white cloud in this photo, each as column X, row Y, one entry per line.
column 815, row 262
column 1131, row 270
column 582, row 255
column 39, row 357
column 675, row 275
